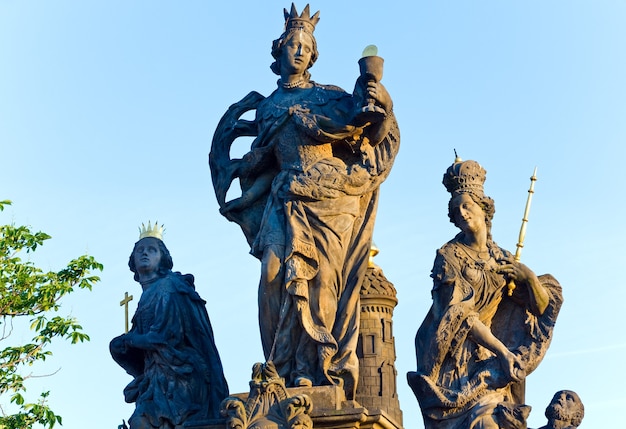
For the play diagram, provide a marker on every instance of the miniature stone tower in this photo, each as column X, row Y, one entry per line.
column 377, row 387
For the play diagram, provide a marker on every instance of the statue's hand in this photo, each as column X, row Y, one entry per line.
column 235, row 205
column 516, row 271
column 512, row 366
column 118, row 345
column 522, row 275
column 378, row 92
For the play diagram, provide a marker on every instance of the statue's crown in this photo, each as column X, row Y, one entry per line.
column 464, row 176
column 304, row 21
column 155, row 231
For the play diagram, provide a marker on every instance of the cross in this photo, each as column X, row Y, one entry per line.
column 124, row 303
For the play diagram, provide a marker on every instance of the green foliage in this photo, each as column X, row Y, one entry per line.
column 26, row 291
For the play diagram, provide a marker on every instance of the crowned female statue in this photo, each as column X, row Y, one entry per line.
column 309, row 195
column 478, row 343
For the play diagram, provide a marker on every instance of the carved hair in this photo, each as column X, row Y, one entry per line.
column 165, row 264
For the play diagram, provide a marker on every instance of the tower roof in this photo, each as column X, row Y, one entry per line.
column 376, row 284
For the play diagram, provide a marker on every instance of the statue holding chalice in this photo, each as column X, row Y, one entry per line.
column 309, row 191
column 371, row 68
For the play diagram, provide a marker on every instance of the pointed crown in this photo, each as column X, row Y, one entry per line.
column 155, row 231
column 305, row 21
column 464, row 177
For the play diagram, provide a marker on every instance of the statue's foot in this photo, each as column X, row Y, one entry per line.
column 302, row 381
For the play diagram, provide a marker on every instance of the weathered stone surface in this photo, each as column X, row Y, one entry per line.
column 478, row 342
column 309, row 195
column 377, row 387
column 170, row 350
column 330, row 410
column 565, row 411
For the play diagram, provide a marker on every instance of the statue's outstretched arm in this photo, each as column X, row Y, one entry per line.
column 509, row 362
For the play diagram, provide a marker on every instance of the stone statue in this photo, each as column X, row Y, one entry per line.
column 309, row 195
column 566, row 411
column 169, row 349
column 477, row 344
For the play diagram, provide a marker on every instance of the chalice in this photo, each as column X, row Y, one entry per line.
column 371, row 69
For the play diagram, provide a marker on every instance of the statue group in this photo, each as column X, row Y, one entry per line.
column 309, row 191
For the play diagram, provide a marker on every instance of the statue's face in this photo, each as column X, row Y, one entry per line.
column 468, row 215
column 563, row 406
column 147, row 255
column 296, row 53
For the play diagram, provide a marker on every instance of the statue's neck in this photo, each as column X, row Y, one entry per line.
column 147, row 279
column 291, row 81
column 477, row 242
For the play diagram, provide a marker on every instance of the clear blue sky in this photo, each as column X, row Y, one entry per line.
column 107, row 110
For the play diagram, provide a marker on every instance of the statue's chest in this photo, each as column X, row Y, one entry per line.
column 146, row 312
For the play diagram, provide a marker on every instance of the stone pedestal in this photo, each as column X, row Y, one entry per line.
column 330, row 411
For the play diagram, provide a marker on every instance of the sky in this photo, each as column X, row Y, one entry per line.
column 108, row 108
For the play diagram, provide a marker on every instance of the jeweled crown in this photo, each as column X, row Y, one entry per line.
column 305, row 21
column 465, row 176
column 155, row 231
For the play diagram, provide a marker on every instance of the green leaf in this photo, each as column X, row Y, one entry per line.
column 17, row 399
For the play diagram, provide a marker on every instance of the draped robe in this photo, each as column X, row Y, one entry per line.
column 177, row 371
column 457, row 381
column 319, row 213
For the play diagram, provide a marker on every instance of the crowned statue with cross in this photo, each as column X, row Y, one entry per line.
column 170, row 350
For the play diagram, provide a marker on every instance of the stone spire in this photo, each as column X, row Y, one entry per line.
column 377, row 387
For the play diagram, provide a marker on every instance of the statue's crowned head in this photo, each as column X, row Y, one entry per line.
column 296, row 23
column 152, row 232
column 468, row 177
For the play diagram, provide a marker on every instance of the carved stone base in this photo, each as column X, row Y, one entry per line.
column 330, row 411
